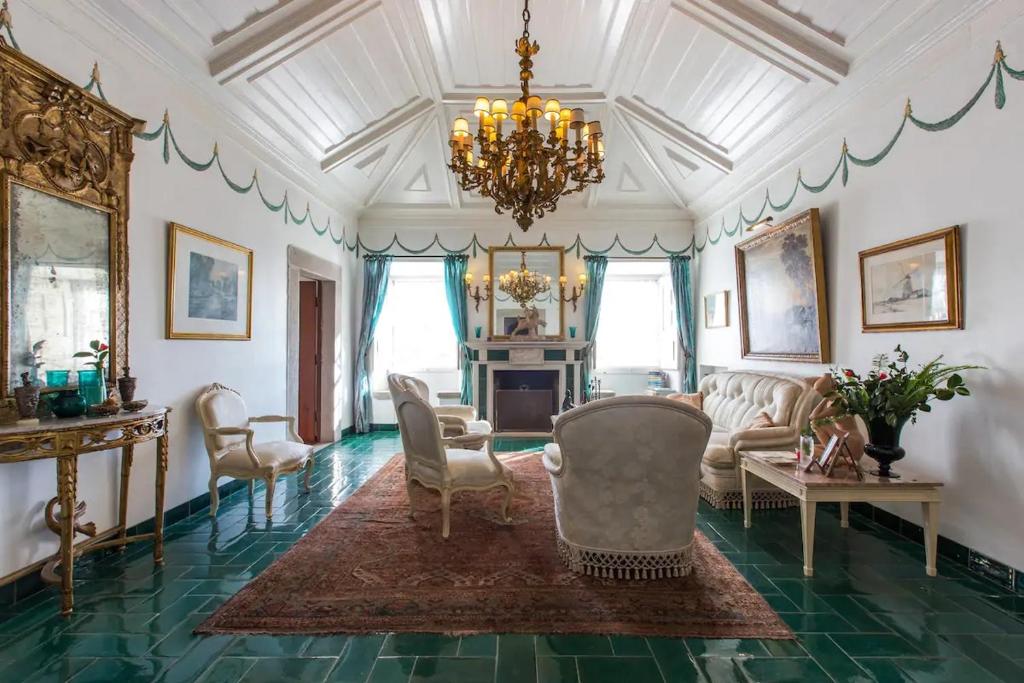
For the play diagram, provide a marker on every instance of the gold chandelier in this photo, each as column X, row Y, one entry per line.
column 525, row 172
column 523, row 285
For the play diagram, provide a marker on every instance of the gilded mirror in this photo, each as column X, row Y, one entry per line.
column 506, row 312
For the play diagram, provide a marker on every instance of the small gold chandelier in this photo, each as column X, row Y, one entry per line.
column 524, row 172
column 523, row 285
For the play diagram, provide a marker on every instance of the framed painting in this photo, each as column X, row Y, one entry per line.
column 209, row 286
column 780, row 280
column 913, row 284
column 716, row 309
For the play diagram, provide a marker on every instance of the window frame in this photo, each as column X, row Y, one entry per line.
column 667, row 323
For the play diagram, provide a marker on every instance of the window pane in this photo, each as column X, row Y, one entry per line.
column 415, row 329
column 637, row 327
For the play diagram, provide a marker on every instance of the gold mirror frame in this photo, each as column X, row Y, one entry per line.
column 57, row 138
column 554, row 287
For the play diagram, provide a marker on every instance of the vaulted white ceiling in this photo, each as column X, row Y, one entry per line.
column 688, row 90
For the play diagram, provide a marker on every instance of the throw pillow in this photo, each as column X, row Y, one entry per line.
column 696, row 399
column 762, row 421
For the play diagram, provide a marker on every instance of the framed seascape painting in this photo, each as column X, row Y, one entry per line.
column 209, row 287
column 913, row 284
column 780, row 280
column 716, row 309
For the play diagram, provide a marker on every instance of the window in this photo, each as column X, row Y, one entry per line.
column 637, row 329
column 415, row 331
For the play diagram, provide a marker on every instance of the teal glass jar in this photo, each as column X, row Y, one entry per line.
column 69, row 403
column 92, row 387
column 57, row 378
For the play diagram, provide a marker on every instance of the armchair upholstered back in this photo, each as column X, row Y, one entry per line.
column 733, row 399
column 626, row 485
column 418, row 427
column 219, row 407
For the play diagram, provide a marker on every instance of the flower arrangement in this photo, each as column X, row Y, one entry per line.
column 894, row 393
column 98, row 351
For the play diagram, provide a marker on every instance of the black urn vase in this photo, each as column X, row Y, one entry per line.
column 884, row 445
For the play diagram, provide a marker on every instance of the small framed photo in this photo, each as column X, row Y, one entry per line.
column 913, row 284
column 716, row 309
column 826, row 460
column 209, row 286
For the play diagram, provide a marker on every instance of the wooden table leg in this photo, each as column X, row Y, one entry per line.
column 127, row 455
column 67, row 492
column 807, row 510
column 747, row 502
column 844, row 515
column 930, row 513
column 161, row 480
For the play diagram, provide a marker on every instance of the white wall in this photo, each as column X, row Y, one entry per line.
column 969, row 175
column 172, row 372
column 671, row 234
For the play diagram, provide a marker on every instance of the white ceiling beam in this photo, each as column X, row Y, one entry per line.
column 776, row 39
column 709, row 152
column 366, row 138
column 648, row 157
column 280, row 35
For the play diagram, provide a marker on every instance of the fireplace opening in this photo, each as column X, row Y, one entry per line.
column 525, row 400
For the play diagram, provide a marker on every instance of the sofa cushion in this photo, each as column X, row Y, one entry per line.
column 696, row 399
column 719, row 453
column 762, row 421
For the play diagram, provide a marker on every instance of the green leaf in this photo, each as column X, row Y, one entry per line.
column 94, row 345
column 962, row 391
column 82, row 354
column 944, row 394
column 925, row 408
column 954, row 381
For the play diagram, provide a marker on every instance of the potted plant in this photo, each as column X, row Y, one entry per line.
column 890, row 395
column 93, row 383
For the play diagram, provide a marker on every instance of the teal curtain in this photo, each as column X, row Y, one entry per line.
column 454, row 286
column 682, row 289
column 596, row 267
column 375, row 286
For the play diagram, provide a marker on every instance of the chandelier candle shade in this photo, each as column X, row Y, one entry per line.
column 523, row 285
column 521, row 169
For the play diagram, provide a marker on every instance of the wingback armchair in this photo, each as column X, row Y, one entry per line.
column 228, row 434
column 625, row 474
column 457, row 420
column 441, row 463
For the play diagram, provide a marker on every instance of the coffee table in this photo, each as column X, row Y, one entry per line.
column 843, row 487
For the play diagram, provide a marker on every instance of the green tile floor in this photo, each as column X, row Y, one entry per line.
column 869, row 615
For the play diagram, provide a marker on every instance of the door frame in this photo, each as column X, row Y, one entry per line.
column 304, row 265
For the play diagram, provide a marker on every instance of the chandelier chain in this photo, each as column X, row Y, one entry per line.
column 526, row 19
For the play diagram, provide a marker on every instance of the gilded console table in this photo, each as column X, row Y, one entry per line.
column 64, row 440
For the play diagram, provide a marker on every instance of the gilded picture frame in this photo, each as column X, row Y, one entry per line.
column 555, row 293
column 206, row 295
column 60, row 140
column 912, row 285
column 780, row 283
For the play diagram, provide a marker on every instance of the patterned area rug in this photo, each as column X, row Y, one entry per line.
column 369, row 568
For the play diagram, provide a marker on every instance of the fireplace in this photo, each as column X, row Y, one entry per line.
column 525, row 400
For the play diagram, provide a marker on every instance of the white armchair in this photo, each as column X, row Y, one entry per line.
column 440, row 463
column 457, row 420
column 625, row 473
column 228, row 435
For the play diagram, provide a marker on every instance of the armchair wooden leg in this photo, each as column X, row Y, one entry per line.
column 508, row 501
column 309, row 472
column 446, row 502
column 252, row 487
column 214, row 495
column 271, row 480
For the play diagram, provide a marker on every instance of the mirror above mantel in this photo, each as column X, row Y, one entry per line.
column 506, row 313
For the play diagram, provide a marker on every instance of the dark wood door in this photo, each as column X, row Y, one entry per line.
column 310, row 323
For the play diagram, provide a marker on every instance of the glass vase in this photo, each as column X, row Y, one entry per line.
column 806, row 449
column 92, row 387
column 57, row 378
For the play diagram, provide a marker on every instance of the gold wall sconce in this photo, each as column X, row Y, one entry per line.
column 474, row 292
column 576, row 293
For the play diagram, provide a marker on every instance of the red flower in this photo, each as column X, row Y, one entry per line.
column 103, row 347
column 848, row 373
column 883, row 376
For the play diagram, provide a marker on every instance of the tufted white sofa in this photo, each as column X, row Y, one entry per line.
column 732, row 400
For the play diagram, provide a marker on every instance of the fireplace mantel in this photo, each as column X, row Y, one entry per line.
column 497, row 355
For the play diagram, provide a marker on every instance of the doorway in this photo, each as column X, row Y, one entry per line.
column 310, row 359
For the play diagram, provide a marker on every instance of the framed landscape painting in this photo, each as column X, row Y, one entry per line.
column 780, row 280
column 913, row 284
column 209, row 286
column 716, row 309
